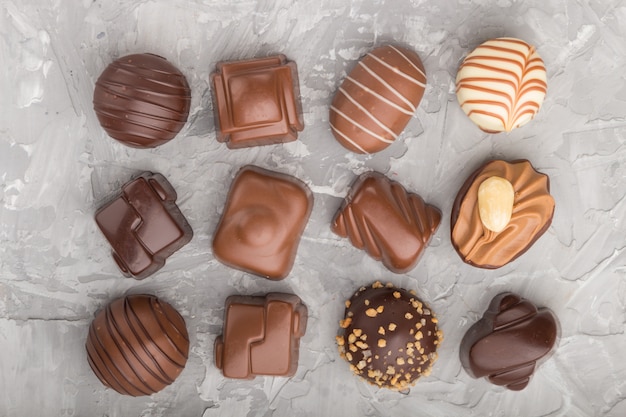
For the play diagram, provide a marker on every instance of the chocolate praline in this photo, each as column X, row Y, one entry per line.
column 137, row 345
column 390, row 337
column 509, row 342
column 142, row 100
column 532, row 212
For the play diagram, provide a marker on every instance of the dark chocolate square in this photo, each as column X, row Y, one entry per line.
column 265, row 215
column 257, row 102
column 261, row 336
column 144, row 225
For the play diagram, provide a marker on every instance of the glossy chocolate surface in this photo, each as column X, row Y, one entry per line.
column 533, row 209
column 257, row 102
column 144, row 225
column 377, row 99
column 261, row 336
column 390, row 224
column 260, row 229
column 142, row 100
column 509, row 342
column 390, row 337
column 137, row 345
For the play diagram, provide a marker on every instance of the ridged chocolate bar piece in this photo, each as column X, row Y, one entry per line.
column 390, row 224
column 261, row 336
column 144, row 225
column 509, row 342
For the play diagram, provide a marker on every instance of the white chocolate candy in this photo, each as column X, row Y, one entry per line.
column 501, row 84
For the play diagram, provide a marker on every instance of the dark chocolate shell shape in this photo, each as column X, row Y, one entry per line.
column 137, row 345
column 509, row 342
column 142, row 100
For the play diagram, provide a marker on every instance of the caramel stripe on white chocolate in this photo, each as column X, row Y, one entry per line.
column 377, row 99
column 501, row 84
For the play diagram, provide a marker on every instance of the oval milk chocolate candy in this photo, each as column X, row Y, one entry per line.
column 377, row 99
column 501, row 84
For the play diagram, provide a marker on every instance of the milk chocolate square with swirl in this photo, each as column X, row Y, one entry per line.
column 257, row 102
column 509, row 342
column 265, row 215
column 390, row 224
column 261, row 336
column 144, row 225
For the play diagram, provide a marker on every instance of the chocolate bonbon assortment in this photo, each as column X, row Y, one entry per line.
column 263, row 220
column 137, row 345
column 509, row 342
column 501, row 84
column 377, row 99
column 389, row 337
column 530, row 215
column 261, row 336
column 390, row 224
column 142, row 100
column 143, row 225
column 257, row 102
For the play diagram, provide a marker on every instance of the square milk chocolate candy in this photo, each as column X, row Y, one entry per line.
column 257, row 102
column 260, row 229
column 144, row 225
column 261, row 336
column 390, row 224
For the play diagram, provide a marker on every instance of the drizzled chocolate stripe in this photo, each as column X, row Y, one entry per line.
column 501, row 84
column 137, row 345
column 142, row 100
column 377, row 99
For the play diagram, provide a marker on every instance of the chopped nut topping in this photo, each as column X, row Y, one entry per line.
column 380, row 309
column 352, row 348
column 361, row 345
column 357, row 332
column 391, row 370
column 400, row 361
column 392, row 326
column 349, row 356
column 434, row 320
column 366, row 302
column 340, row 340
column 396, row 294
column 351, row 338
column 381, row 330
column 382, row 343
column 361, row 365
column 370, row 312
column 377, row 284
column 408, row 316
column 348, row 303
column 419, row 336
column 345, row 323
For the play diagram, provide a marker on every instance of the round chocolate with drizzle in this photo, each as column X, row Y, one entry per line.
column 142, row 100
column 390, row 337
column 137, row 345
column 501, row 84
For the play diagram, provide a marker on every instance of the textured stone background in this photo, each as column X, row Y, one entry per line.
column 57, row 165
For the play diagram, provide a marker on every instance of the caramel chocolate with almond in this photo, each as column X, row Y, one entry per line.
column 144, row 225
column 389, row 337
column 260, row 229
column 261, row 336
column 533, row 209
column 509, row 342
column 381, row 217
column 257, row 102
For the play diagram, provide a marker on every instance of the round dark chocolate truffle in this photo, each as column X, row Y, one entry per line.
column 137, row 345
column 142, row 100
column 390, row 337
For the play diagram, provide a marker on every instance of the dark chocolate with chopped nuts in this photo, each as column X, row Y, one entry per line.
column 390, row 337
